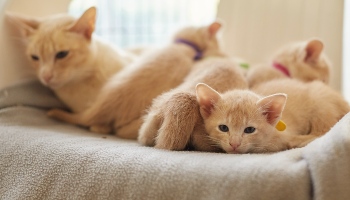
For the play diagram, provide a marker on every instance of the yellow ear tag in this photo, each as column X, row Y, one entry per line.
column 281, row 126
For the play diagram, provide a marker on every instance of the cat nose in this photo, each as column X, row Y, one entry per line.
column 234, row 145
column 47, row 77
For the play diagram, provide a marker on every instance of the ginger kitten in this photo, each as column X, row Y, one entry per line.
column 66, row 56
column 172, row 120
column 305, row 61
column 243, row 121
column 123, row 100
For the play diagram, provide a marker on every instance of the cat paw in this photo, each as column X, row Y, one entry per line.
column 130, row 130
column 145, row 141
column 100, row 129
column 149, row 130
column 55, row 113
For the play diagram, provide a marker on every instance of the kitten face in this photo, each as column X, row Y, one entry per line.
column 58, row 46
column 240, row 121
column 305, row 61
column 204, row 37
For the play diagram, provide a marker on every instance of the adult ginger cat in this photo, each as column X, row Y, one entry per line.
column 304, row 61
column 66, row 56
column 123, row 100
column 243, row 121
column 174, row 116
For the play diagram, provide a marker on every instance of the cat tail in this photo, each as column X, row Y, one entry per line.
column 180, row 118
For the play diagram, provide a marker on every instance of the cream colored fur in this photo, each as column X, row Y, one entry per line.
column 173, row 122
column 77, row 77
column 310, row 111
column 305, row 61
column 125, row 97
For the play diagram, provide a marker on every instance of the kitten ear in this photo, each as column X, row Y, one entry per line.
column 206, row 97
column 272, row 107
column 313, row 50
column 26, row 25
column 214, row 27
column 85, row 25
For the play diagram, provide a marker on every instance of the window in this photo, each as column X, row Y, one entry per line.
column 145, row 22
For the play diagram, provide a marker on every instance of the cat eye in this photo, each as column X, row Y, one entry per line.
column 61, row 54
column 223, row 128
column 249, row 130
column 34, row 57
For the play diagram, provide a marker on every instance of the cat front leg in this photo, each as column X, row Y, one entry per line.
column 72, row 118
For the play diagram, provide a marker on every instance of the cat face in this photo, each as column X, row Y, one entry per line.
column 305, row 61
column 204, row 37
column 240, row 121
column 58, row 47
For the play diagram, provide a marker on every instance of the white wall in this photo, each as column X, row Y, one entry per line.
column 256, row 28
column 346, row 50
column 13, row 64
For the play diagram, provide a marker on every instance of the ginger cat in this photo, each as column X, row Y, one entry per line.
column 174, row 117
column 123, row 100
column 243, row 121
column 304, row 61
column 66, row 56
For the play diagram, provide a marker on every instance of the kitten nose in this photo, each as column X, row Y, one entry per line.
column 234, row 145
column 47, row 77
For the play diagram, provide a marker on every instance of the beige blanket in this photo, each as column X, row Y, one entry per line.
column 41, row 158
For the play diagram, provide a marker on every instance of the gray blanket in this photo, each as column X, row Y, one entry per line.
column 41, row 158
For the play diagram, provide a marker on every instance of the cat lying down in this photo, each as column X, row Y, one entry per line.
column 305, row 61
column 173, row 120
column 67, row 58
column 127, row 94
column 244, row 121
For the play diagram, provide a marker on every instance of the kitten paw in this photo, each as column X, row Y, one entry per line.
column 130, row 130
column 149, row 130
column 100, row 129
column 56, row 113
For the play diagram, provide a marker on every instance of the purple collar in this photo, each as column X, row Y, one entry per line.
column 281, row 68
column 199, row 53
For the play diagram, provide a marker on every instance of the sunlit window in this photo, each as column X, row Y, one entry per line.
column 129, row 23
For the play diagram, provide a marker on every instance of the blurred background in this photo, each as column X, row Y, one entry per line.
column 253, row 29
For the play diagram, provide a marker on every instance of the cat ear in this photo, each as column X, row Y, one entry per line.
column 206, row 97
column 272, row 107
column 26, row 25
column 85, row 25
column 214, row 28
column 313, row 50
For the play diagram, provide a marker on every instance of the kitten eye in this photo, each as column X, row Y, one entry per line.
column 249, row 130
column 34, row 57
column 223, row 128
column 62, row 54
